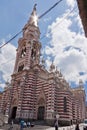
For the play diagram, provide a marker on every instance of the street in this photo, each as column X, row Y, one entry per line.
column 39, row 127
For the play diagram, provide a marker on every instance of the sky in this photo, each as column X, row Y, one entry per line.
column 62, row 37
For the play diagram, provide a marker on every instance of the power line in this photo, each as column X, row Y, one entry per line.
column 44, row 35
column 11, row 39
column 38, row 17
column 50, row 9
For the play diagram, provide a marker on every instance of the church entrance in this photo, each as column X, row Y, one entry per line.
column 41, row 111
column 13, row 114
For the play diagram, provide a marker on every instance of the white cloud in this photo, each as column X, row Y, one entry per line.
column 69, row 49
column 2, row 86
column 47, row 19
column 79, row 22
column 71, row 3
column 7, row 59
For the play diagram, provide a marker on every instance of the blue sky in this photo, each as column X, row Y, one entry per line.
column 64, row 40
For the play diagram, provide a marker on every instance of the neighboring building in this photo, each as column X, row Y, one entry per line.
column 0, row 97
column 34, row 92
column 79, row 111
column 82, row 5
column 86, row 110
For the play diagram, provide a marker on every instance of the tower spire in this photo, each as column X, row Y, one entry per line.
column 33, row 18
column 28, row 53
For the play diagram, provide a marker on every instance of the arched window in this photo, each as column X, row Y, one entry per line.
column 65, row 104
column 33, row 53
column 20, row 68
column 23, row 52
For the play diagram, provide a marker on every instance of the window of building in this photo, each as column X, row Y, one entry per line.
column 33, row 53
column 65, row 104
column 23, row 52
column 20, row 68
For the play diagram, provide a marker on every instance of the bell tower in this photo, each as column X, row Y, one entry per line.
column 28, row 51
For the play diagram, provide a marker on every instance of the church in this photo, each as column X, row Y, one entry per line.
column 36, row 93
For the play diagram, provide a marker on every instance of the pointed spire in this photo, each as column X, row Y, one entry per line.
column 43, row 61
column 57, row 72
column 33, row 18
column 34, row 10
column 80, row 83
column 52, row 67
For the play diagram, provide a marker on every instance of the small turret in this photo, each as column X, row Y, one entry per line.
column 43, row 62
column 81, row 83
column 52, row 67
column 57, row 72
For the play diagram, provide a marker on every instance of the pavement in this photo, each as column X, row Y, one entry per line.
column 36, row 127
column 39, row 127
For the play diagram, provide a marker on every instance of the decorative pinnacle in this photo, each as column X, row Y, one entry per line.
column 33, row 18
column 35, row 6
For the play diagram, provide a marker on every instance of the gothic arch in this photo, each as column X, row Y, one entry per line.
column 41, row 102
column 41, row 98
column 20, row 67
column 23, row 52
column 14, row 107
column 13, row 112
column 41, row 105
column 14, row 102
column 15, row 99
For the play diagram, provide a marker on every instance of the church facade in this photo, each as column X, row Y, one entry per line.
column 36, row 93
